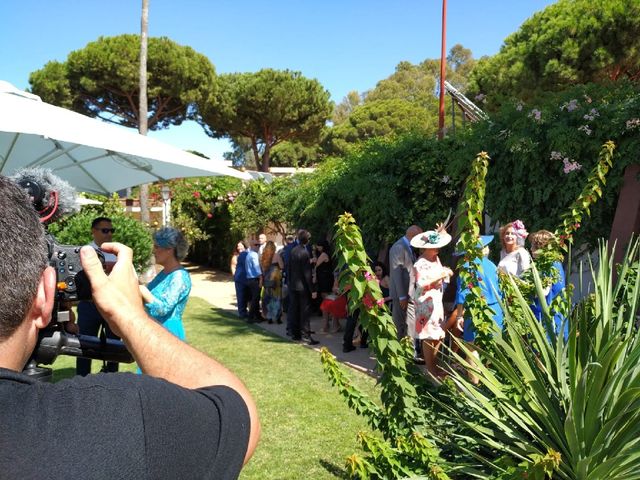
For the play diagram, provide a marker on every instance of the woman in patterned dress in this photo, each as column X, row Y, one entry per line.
column 428, row 278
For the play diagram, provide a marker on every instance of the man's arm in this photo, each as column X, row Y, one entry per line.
column 155, row 349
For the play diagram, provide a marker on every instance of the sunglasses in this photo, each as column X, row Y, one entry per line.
column 106, row 230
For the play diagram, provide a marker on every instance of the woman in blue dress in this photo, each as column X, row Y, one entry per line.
column 166, row 295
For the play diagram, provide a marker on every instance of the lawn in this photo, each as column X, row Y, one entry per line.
column 307, row 429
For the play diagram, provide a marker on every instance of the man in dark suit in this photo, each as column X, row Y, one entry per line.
column 401, row 259
column 299, row 280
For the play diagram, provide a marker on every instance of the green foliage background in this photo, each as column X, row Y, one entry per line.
column 200, row 208
column 76, row 229
column 388, row 184
column 178, row 78
column 570, row 42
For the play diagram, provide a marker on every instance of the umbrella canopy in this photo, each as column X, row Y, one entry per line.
column 93, row 156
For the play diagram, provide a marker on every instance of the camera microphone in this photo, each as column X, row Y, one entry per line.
column 51, row 196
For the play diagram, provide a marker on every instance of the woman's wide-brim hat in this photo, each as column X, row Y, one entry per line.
column 431, row 239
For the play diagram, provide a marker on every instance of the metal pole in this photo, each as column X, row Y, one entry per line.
column 453, row 116
column 443, row 63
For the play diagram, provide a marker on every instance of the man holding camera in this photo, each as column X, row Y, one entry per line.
column 189, row 417
column 90, row 322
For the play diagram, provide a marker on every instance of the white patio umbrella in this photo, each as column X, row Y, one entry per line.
column 93, row 156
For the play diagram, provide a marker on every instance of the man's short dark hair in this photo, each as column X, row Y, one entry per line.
column 24, row 256
column 303, row 237
column 96, row 221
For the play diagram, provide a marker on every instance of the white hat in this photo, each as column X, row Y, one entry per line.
column 431, row 239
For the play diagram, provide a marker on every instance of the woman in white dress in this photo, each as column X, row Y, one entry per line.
column 514, row 258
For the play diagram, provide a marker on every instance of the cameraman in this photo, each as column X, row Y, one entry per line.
column 89, row 320
column 189, row 417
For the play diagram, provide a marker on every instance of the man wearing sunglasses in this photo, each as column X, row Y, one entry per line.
column 90, row 322
column 102, row 231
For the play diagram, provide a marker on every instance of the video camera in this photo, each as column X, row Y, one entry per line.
column 52, row 197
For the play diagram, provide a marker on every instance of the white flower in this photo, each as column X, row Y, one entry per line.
column 593, row 113
column 585, row 128
column 570, row 106
column 633, row 123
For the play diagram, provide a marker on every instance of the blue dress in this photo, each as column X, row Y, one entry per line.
column 554, row 291
column 171, row 292
column 488, row 276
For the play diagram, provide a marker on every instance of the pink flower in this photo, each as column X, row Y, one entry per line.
column 520, row 230
column 380, row 302
column 367, row 275
column 209, row 215
column 368, row 301
column 196, row 194
column 570, row 166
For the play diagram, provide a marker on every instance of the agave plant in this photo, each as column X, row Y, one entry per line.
column 566, row 408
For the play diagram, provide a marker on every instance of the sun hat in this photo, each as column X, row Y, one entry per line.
column 431, row 239
column 483, row 241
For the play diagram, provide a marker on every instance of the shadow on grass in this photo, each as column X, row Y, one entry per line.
column 209, row 274
column 334, row 469
column 235, row 326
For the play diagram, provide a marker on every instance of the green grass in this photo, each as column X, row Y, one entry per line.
column 307, row 429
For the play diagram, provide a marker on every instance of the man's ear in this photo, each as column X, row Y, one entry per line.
column 42, row 306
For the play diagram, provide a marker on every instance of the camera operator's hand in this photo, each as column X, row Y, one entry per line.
column 116, row 296
column 157, row 351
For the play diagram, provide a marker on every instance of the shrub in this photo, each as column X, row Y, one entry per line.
column 200, row 208
column 76, row 230
column 545, row 407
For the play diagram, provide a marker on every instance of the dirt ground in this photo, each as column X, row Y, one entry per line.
column 218, row 289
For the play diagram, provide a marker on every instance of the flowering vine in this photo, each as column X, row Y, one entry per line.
column 589, row 195
column 470, row 214
column 404, row 450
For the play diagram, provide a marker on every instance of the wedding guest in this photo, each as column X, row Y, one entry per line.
column 233, row 264
column 401, row 259
column 427, row 280
column 514, row 258
column 539, row 240
column 272, row 265
column 487, row 275
column 165, row 298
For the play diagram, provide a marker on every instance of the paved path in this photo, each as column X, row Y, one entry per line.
column 218, row 289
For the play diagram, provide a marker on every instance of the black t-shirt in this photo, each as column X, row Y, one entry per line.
column 119, row 426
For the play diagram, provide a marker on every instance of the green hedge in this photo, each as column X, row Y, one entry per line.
column 76, row 230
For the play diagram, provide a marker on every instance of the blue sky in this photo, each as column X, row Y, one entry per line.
column 346, row 45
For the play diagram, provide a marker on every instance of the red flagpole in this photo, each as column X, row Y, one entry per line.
column 443, row 63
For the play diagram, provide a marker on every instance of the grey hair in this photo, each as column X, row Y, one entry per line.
column 169, row 237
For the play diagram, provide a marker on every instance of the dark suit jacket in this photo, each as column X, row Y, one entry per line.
column 299, row 270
